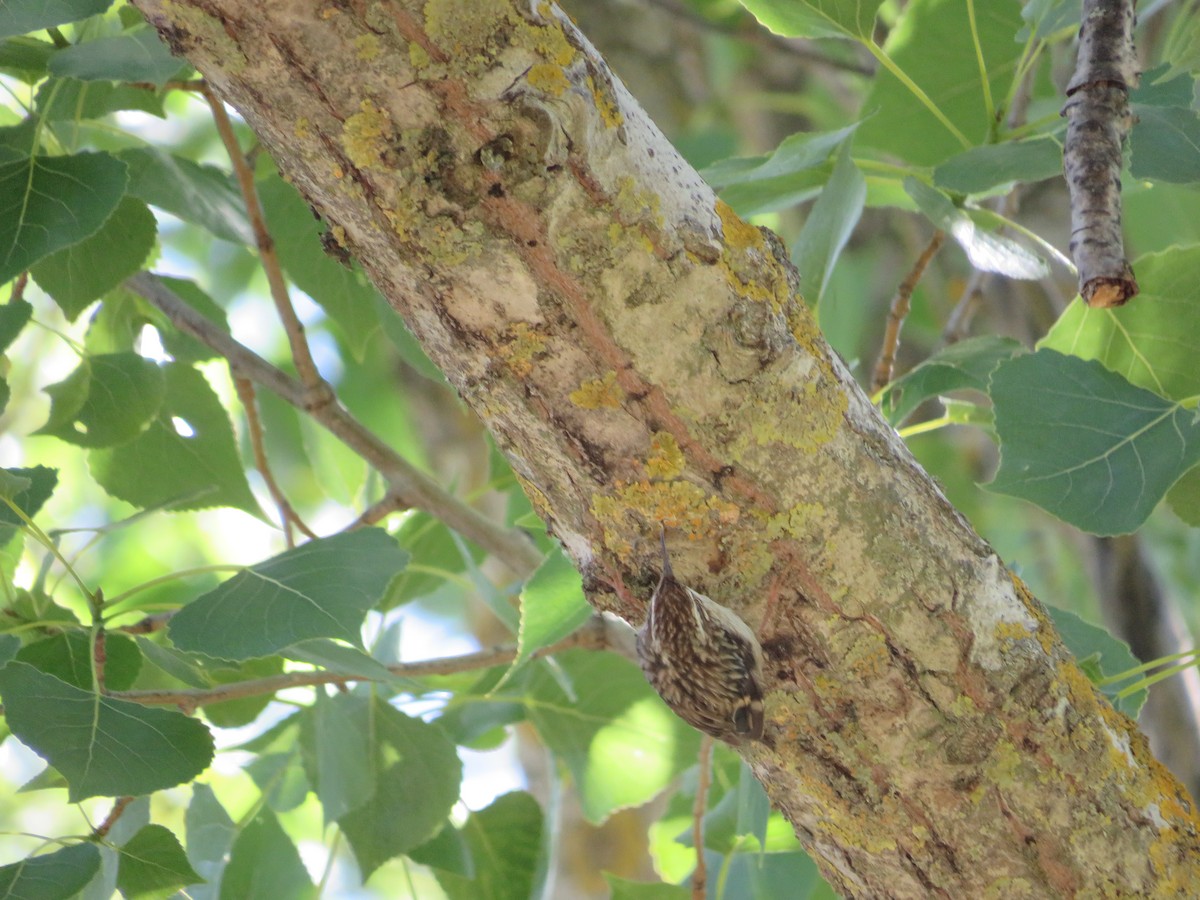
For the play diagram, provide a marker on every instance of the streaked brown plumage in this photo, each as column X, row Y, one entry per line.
column 703, row 660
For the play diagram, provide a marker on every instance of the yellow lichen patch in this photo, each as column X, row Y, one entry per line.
column 666, row 459
column 634, row 204
column 537, row 499
column 739, row 234
column 548, row 40
column 798, row 522
column 1045, row 632
column 805, row 418
column 521, row 343
column 303, row 128
column 598, row 393
column 465, row 27
column 366, row 47
column 364, row 135
column 676, row 504
column 1003, row 767
column 1010, row 632
column 548, row 78
column 610, row 113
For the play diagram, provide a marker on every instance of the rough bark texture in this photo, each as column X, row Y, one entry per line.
column 1098, row 121
column 641, row 355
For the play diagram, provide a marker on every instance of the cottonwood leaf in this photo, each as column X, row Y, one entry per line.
column 962, row 365
column 552, row 606
column 321, row 589
column 109, row 399
column 153, row 865
column 210, row 835
column 23, row 16
column 982, row 168
column 200, row 194
column 505, row 844
column 51, row 202
column 264, row 864
column 28, row 489
column 412, row 797
column 14, row 316
column 816, row 18
column 84, row 272
column 101, row 745
column 1101, row 656
column 134, row 56
column 621, row 743
column 70, row 99
column 185, row 459
column 51, row 876
column 68, row 656
column 1085, row 444
column 829, row 225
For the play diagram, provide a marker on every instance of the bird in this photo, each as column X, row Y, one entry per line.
column 702, row 659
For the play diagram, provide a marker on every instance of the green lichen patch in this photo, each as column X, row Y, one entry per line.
column 366, row 47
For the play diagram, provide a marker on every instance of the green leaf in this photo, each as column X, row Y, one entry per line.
column 319, row 589
column 621, row 743
column 14, row 316
column 621, row 889
column 1049, row 16
column 28, row 489
column 84, row 272
column 413, row 796
column 552, row 606
column 431, row 544
column 792, row 875
column 981, row 169
column 69, row 99
column 9, row 645
column 1165, row 144
column 1100, row 655
column 931, row 42
column 52, row 876
column 505, row 844
column 265, row 865
column 25, row 58
column 344, row 293
column 816, row 18
column 447, row 850
column 1182, row 48
column 242, row 710
column 184, row 347
column 987, row 252
column 339, row 739
column 68, row 656
column 1153, row 343
column 21, row 16
column 110, row 399
column 153, row 865
column 203, row 195
column 51, row 202
column 132, row 56
column 828, row 226
column 1085, row 444
column 102, row 746
column 210, row 835
column 185, row 459
column 963, row 365
column 339, row 658
column 280, row 778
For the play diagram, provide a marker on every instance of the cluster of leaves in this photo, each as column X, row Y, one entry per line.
column 1098, row 424
column 99, row 698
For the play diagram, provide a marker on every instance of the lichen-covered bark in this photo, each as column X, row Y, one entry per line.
column 641, row 355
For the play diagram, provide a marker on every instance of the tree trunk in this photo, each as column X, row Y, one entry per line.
column 642, row 357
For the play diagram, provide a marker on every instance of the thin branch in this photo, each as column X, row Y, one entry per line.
column 1098, row 121
column 901, row 303
column 287, row 513
column 148, row 625
column 382, row 508
column 119, row 806
column 591, row 635
column 415, row 487
column 700, row 875
column 301, row 354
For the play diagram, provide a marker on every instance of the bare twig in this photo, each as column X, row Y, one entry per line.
column 301, row 354
column 119, row 806
column 704, row 763
column 287, row 514
column 591, row 636
column 901, row 304
column 415, row 487
column 148, row 625
column 386, row 505
column 18, row 288
column 1098, row 121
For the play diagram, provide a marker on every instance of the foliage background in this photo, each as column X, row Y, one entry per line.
column 156, row 497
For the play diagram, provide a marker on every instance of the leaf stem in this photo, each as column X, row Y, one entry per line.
column 988, row 103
